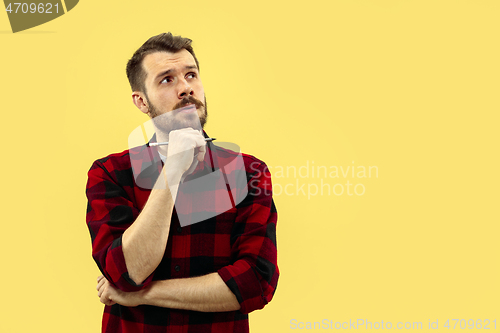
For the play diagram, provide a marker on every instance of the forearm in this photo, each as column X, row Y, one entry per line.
column 206, row 293
column 144, row 242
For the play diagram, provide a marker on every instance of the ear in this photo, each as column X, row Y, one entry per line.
column 140, row 101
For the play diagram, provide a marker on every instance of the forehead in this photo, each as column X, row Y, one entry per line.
column 158, row 62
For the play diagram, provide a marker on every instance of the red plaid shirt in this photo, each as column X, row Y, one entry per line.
column 239, row 244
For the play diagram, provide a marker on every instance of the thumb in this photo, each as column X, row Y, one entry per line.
column 201, row 154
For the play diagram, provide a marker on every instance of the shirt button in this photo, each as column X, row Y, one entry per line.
column 177, row 268
column 179, row 229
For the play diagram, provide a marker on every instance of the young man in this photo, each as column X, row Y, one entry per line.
column 160, row 274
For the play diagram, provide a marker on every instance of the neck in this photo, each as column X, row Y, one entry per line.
column 162, row 137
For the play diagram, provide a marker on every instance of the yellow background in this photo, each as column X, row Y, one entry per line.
column 408, row 86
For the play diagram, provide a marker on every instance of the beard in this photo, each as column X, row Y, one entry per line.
column 175, row 119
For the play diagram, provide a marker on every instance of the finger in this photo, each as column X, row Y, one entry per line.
column 104, row 297
column 201, row 154
column 109, row 303
column 100, row 283
column 200, row 140
column 100, row 291
column 99, row 278
column 196, row 135
column 102, row 288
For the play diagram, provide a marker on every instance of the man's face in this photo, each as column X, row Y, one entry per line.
column 172, row 82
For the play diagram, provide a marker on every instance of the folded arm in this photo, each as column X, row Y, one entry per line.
column 247, row 284
column 129, row 244
column 206, row 293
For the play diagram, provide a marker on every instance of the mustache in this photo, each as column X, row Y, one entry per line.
column 189, row 100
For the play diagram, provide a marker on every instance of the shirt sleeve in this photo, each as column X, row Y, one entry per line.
column 110, row 211
column 253, row 277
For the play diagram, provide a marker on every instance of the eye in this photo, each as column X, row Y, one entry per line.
column 166, row 79
column 191, row 75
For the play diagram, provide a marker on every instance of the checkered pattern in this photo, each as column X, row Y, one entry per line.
column 239, row 244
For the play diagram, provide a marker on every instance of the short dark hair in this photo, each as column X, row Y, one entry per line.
column 164, row 42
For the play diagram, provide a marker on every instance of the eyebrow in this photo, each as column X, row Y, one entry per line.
column 168, row 71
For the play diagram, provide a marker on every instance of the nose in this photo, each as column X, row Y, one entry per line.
column 184, row 89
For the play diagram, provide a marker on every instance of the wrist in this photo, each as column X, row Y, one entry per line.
column 140, row 297
column 173, row 176
column 146, row 294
